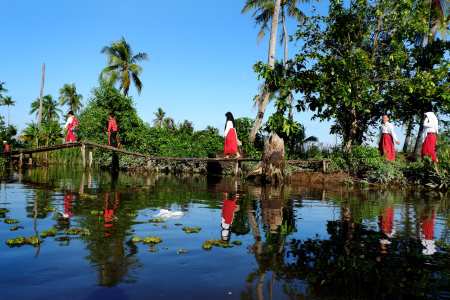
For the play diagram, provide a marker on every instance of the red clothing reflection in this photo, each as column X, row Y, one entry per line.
column 109, row 212
column 67, row 206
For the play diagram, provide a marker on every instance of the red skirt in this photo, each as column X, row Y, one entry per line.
column 429, row 145
column 230, row 142
column 387, row 146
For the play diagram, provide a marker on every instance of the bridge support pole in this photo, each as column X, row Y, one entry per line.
column 83, row 154
column 20, row 160
column 149, row 163
column 91, row 149
column 237, row 169
column 30, row 160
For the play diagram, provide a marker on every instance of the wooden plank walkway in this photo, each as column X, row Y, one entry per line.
column 92, row 145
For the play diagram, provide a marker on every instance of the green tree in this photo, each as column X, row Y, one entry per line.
column 68, row 95
column 2, row 88
column 7, row 101
column 122, row 66
column 31, row 134
column 159, row 120
column 210, row 130
column 349, row 61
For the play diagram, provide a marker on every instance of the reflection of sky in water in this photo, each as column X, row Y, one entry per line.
column 311, row 218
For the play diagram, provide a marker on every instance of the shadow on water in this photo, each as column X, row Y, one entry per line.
column 298, row 241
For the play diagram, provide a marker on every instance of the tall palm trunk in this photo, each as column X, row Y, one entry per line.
column 271, row 62
column 8, row 115
column 286, row 67
column 41, row 96
column 408, row 136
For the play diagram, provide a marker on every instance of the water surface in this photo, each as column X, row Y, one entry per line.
column 298, row 242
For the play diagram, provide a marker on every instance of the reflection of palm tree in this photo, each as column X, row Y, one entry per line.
column 160, row 114
column 7, row 101
column 69, row 96
column 122, row 66
column 49, row 108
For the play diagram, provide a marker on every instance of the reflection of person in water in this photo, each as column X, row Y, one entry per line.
column 386, row 224
column 109, row 212
column 427, row 232
column 67, row 207
column 228, row 208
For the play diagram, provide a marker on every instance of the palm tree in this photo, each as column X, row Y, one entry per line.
column 50, row 110
column 264, row 96
column 210, row 130
column 160, row 114
column 7, row 101
column 122, row 65
column 2, row 89
column 68, row 95
column 31, row 134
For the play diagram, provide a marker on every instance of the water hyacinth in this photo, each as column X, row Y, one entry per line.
column 156, row 220
column 49, row 232
column 49, row 209
column 191, row 230
column 11, row 221
column 75, row 231
column 15, row 228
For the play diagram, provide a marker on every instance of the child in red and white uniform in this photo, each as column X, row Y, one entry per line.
column 112, row 130
column 388, row 136
column 6, row 146
column 69, row 124
column 230, row 136
column 430, row 128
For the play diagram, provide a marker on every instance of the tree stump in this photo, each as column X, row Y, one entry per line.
column 273, row 160
column 272, row 167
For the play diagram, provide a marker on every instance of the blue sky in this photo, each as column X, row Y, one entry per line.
column 201, row 56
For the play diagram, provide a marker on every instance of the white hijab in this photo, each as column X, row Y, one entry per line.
column 431, row 119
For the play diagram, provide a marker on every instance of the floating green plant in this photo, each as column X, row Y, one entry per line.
column 49, row 208
column 97, row 212
column 15, row 228
column 152, row 240
column 19, row 241
column 136, row 239
column 49, row 232
column 74, row 231
column 165, row 226
column 181, row 251
column 3, row 210
column 153, row 249
column 165, row 248
column 132, row 215
column 11, row 221
column 191, row 230
column 57, row 189
column 207, row 245
column 156, row 220
column 178, row 224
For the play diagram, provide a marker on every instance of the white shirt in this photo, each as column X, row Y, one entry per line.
column 389, row 129
column 69, row 121
column 430, row 124
column 228, row 127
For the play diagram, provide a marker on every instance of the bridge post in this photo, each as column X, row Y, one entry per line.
column 20, row 160
column 149, row 163
column 83, row 154
column 91, row 149
column 237, row 170
column 30, row 159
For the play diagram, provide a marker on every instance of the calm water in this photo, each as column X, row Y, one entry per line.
column 298, row 242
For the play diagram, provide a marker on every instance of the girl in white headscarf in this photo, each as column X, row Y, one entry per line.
column 430, row 128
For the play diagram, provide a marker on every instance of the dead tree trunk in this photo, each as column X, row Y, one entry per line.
column 273, row 160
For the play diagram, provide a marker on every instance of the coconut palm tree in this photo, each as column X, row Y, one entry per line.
column 7, row 101
column 2, row 88
column 68, row 95
column 122, row 66
column 31, row 134
column 50, row 110
column 160, row 114
column 210, row 130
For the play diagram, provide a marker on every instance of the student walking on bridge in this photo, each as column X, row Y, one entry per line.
column 230, row 136
column 112, row 130
column 72, row 124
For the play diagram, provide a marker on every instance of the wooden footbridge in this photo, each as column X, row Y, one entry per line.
column 91, row 146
